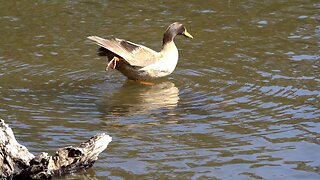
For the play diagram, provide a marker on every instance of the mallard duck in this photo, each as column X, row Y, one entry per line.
column 138, row 62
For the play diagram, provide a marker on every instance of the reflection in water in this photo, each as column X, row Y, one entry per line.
column 134, row 98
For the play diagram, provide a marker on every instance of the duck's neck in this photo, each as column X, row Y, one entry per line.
column 169, row 48
column 169, row 56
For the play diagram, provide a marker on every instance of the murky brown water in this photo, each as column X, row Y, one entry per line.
column 243, row 102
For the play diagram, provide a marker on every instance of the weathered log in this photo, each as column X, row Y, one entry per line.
column 13, row 156
column 18, row 163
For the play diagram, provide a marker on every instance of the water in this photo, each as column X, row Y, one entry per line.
column 243, row 102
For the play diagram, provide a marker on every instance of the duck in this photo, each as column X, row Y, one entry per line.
column 138, row 62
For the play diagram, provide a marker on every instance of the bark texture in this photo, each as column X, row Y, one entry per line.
column 16, row 162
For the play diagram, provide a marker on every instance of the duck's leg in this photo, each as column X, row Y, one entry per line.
column 113, row 63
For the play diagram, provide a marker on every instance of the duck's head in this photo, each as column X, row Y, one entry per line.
column 173, row 30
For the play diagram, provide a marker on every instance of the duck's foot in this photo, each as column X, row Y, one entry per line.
column 113, row 63
column 145, row 83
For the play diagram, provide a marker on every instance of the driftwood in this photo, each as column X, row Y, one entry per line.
column 16, row 162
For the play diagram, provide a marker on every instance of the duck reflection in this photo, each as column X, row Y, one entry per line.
column 134, row 98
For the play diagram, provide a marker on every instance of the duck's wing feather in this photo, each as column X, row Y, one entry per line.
column 134, row 54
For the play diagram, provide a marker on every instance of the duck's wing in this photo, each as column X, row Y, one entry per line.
column 134, row 54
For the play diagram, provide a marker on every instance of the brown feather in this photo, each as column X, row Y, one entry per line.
column 134, row 54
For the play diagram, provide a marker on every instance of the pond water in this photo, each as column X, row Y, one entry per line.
column 243, row 102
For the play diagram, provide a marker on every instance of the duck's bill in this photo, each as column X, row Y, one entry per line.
column 188, row 35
